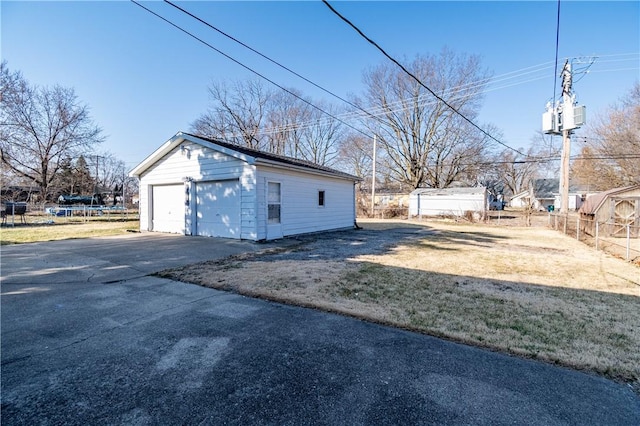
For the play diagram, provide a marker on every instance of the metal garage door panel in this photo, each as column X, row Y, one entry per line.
column 168, row 208
column 218, row 209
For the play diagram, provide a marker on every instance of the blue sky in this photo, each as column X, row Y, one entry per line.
column 144, row 80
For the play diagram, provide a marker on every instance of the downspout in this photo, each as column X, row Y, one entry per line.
column 355, row 208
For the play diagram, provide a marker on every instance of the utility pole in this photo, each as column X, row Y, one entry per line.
column 373, row 180
column 124, row 177
column 562, row 120
column 567, row 109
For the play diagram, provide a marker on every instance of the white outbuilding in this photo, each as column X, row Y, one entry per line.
column 449, row 201
column 198, row 186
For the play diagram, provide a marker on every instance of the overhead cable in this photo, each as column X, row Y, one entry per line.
column 371, row 113
column 375, row 113
column 248, row 68
column 555, row 68
column 273, row 61
column 403, row 68
column 539, row 160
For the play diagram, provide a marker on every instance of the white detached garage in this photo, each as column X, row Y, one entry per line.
column 198, row 186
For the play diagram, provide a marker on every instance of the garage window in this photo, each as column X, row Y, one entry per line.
column 320, row 198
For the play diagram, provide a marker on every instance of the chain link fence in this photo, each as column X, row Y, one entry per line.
column 618, row 239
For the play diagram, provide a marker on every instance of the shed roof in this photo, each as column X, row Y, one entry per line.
column 251, row 156
column 523, row 194
column 595, row 201
column 450, row 191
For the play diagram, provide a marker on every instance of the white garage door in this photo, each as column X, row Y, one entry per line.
column 168, row 208
column 218, row 209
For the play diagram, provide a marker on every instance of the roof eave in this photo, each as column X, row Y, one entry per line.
column 310, row 170
column 178, row 139
column 163, row 150
column 181, row 137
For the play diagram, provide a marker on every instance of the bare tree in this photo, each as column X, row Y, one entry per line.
column 322, row 138
column 356, row 156
column 40, row 128
column 282, row 123
column 610, row 153
column 110, row 171
column 425, row 142
column 516, row 172
column 285, row 123
column 238, row 114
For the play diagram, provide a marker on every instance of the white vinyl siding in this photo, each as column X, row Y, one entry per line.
column 299, row 206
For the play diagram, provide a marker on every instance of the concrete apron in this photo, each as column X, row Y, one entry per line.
column 111, row 259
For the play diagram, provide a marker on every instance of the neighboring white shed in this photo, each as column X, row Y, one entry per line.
column 575, row 201
column 448, row 201
column 521, row 200
column 198, row 186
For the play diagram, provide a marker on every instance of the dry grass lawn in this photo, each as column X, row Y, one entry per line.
column 527, row 291
column 40, row 230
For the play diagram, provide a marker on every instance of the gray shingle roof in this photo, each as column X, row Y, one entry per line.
column 275, row 157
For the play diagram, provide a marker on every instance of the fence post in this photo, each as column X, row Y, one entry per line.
column 628, row 257
column 597, row 231
column 578, row 229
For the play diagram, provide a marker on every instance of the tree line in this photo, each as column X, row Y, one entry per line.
column 48, row 144
column 47, row 137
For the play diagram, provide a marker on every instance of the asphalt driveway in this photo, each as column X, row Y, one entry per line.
column 89, row 337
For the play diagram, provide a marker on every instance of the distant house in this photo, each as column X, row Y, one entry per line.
column 613, row 210
column 19, row 193
column 199, row 186
column 544, row 193
column 448, row 201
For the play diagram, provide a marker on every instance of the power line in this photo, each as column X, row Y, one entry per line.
column 363, row 113
column 248, row 68
column 416, row 78
column 345, row 116
column 273, row 61
column 397, row 106
column 539, row 160
column 615, row 70
column 555, row 68
column 366, row 113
